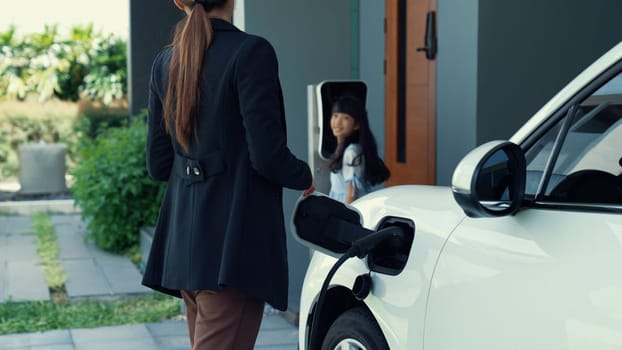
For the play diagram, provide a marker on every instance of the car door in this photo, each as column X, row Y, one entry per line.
column 550, row 276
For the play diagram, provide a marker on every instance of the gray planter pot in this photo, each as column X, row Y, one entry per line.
column 42, row 167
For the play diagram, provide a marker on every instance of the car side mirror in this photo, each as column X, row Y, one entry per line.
column 327, row 225
column 490, row 180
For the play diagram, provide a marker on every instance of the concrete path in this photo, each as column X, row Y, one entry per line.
column 93, row 273
column 21, row 275
column 90, row 271
column 275, row 334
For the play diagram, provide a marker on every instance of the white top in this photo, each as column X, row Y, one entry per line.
column 349, row 173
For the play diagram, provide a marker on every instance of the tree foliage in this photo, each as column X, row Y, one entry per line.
column 83, row 64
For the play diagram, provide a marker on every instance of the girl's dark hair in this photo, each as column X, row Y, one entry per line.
column 193, row 35
column 375, row 170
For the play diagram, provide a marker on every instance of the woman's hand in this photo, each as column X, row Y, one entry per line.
column 309, row 190
column 352, row 193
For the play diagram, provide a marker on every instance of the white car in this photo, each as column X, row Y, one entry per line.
column 524, row 251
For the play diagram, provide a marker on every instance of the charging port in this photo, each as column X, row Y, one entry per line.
column 390, row 256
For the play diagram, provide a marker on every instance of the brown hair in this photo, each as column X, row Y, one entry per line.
column 193, row 35
column 375, row 171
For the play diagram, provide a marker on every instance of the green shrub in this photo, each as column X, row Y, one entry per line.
column 112, row 186
column 96, row 117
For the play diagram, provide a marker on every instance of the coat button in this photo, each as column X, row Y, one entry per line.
column 196, row 171
column 188, row 170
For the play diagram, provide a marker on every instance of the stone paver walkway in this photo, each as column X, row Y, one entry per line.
column 90, row 271
column 275, row 334
column 21, row 275
column 93, row 273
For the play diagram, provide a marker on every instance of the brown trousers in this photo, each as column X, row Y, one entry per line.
column 222, row 320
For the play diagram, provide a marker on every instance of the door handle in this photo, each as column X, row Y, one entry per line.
column 430, row 36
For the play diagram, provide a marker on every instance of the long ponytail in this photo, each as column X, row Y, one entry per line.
column 193, row 35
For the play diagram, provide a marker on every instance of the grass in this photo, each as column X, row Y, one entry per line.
column 135, row 255
column 6, row 212
column 45, row 316
column 62, row 313
column 48, row 250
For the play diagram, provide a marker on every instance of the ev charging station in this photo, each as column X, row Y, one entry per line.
column 322, row 143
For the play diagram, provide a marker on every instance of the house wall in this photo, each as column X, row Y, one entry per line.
column 456, row 85
column 499, row 61
column 530, row 49
column 371, row 69
column 312, row 40
column 151, row 28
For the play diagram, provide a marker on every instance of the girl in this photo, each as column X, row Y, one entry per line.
column 216, row 134
column 356, row 168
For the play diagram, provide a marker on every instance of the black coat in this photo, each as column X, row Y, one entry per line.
column 221, row 220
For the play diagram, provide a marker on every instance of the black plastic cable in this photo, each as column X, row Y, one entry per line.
column 360, row 248
column 316, row 314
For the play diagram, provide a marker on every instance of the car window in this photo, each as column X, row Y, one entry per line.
column 588, row 166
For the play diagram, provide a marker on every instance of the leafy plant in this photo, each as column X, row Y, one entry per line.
column 86, row 64
column 107, row 76
column 44, row 316
column 112, row 186
column 6, row 38
column 75, row 62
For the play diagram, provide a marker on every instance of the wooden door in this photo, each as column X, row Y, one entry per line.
column 410, row 115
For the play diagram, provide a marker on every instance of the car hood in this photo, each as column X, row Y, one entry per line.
column 432, row 208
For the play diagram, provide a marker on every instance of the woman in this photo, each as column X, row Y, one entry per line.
column 216, row 134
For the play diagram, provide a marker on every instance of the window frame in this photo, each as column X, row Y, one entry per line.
column 535, row 200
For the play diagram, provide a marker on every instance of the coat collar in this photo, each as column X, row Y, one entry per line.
column 222, row 25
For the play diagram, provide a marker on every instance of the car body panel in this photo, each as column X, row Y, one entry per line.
column 532, row 281
column 397, row 302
